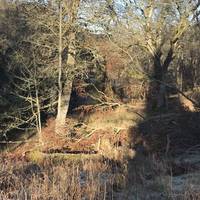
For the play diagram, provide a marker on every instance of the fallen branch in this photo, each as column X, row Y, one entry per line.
column 180, row 92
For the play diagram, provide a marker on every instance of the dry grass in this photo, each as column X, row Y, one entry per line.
column 144, row 178
column 149, row 179
column 108, row 175
column 117, row 119
column 55, row 180
column 114, row 152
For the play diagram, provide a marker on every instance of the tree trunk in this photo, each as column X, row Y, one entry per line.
column 157, row 90
column 156, row 93
column 65, row 89
column 59, row 120
column 63, row 106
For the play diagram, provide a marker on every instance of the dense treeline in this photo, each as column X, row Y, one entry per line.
column 46, row 45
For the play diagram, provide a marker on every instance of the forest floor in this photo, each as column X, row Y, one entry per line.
column 108, row 153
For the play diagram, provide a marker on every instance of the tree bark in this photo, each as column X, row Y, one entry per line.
column 63, row 106
column 59, row 120
column 65, row 89
column 157, row 90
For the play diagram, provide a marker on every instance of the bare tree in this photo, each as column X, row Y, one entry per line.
column 155, row 28
column 54, row 26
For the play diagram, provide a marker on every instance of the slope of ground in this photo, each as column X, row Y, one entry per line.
column 108, row 153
